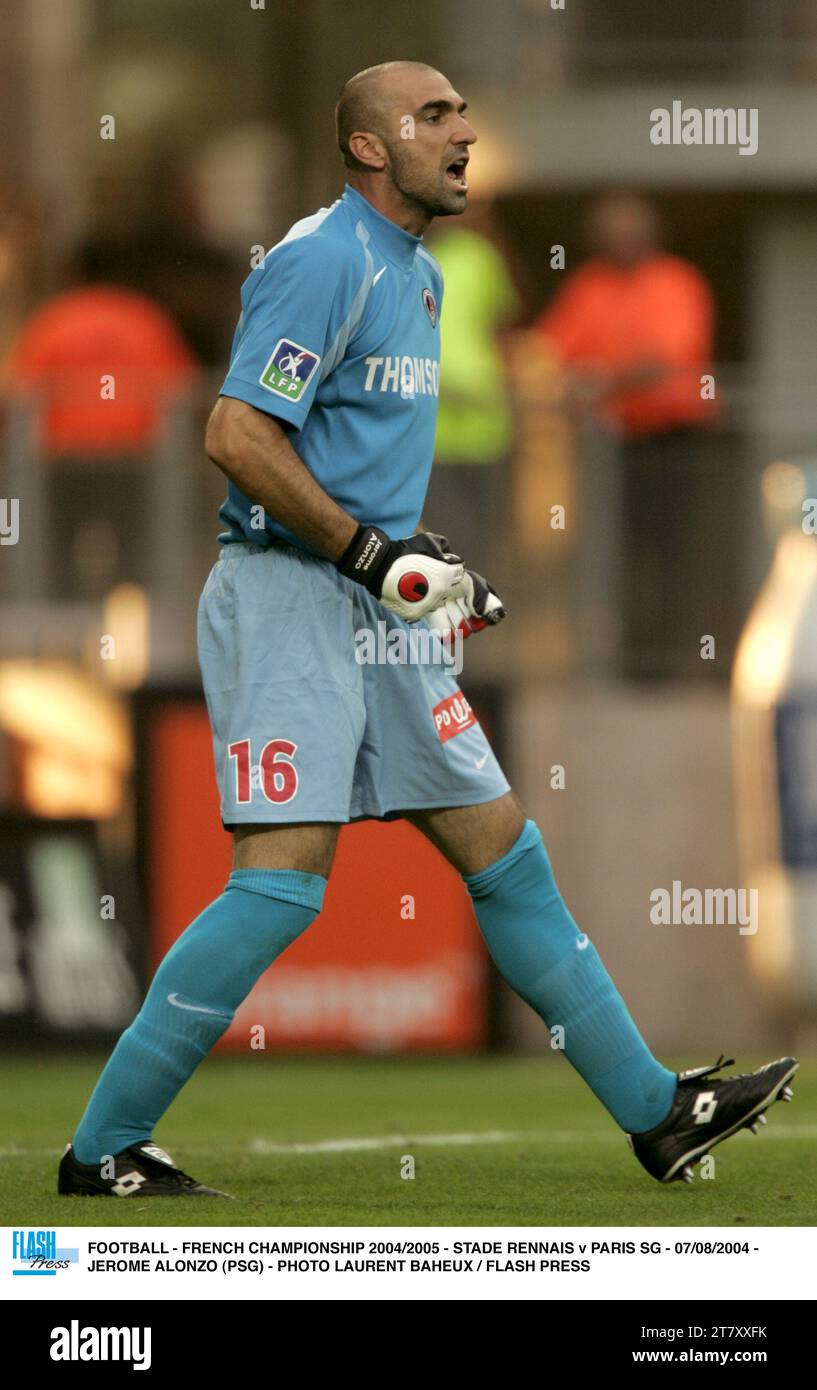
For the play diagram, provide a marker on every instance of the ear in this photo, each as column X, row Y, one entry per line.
column 368, row 149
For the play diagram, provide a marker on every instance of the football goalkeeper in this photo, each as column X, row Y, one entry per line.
column 325, row 430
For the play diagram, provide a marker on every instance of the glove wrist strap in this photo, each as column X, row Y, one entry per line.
column 366, row 554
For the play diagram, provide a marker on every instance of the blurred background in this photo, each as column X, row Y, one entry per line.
column 626, row 447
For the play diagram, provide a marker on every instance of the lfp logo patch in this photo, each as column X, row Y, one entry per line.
column 289, row 370
column 36, row 1252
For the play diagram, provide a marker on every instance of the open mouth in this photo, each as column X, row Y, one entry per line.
column 456, row 173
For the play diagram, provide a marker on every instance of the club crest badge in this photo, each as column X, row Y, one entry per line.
column 430, row 306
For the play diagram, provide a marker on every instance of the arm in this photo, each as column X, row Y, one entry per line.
column 252, row 450
column 303, row 297
column 411, row 577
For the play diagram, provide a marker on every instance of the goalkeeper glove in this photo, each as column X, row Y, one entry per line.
column 411, row 577
column 477, row 607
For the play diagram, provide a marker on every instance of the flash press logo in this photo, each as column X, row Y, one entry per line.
column 75, row 1343
column 35, row 1253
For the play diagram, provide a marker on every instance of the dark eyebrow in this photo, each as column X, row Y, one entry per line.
column 442, row 106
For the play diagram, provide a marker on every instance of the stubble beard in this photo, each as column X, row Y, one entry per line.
column 424, row 191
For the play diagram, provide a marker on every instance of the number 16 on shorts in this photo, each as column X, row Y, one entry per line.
column 275, row 773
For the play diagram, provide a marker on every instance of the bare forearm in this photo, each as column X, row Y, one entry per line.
column 253, row 451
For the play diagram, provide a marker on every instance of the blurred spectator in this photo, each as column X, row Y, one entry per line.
column 176, row 262
column 100, row 364
column 474, row 423
column 633, row 329
column 102, row 361
column 151, row 232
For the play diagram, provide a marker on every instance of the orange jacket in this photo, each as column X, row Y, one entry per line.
column 86, row 334
column 660, row 311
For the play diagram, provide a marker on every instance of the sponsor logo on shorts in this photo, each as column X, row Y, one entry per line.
column 289, row 370
column 453, row 716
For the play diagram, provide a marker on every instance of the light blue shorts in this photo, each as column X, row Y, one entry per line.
column 323, row 705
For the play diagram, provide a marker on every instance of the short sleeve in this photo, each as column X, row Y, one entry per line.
column 294, row 316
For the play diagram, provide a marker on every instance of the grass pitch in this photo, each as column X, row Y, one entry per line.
column 496, row 1142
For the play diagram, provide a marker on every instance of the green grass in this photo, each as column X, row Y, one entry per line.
column 555, row 1158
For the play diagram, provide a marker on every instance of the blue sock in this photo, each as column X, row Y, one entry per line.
column 204, row 977
column 538, row 948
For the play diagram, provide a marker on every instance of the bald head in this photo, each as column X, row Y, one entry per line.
column 405, row 139
column 367, row 100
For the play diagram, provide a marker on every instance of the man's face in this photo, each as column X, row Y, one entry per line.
column 428, row 145
column 622, row 230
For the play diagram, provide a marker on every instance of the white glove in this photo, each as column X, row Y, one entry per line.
column 477, row 607
column 411, row 577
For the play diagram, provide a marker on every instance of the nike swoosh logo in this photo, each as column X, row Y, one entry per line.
column 583, row 942
column 480, row 762
column 195, row 1008
column 378, row 275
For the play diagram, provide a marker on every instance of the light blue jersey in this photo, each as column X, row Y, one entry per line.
column 339, row 339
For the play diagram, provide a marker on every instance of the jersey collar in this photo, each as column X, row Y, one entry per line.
column 397, row 246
